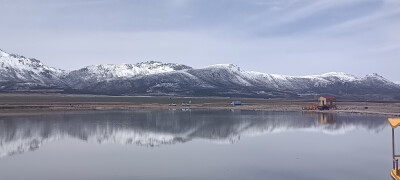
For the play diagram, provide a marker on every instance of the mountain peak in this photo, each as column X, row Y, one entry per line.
column 341, row 75
column 158, row 64
column 336, row 74
column 374, row 75
column 226, row 66
column 151, row 62
column 377, row 77
column 3, row 53
column 22, row 72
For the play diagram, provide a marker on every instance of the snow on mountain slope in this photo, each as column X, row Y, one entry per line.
column 107, row 72
column 110, row 71
column 380, row 79
column 230, row 80
column 234, row 75
column 156, row 78
column 18, row 71
column 251, row 78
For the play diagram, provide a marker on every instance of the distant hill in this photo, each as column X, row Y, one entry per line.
column 19, row 73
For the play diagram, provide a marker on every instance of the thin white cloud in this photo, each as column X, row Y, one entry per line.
column 374, row 20
column 296, row 10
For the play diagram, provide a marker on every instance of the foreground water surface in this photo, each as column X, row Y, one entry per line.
column 194, row 144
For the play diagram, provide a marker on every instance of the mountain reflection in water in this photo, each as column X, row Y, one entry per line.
column 157, row 127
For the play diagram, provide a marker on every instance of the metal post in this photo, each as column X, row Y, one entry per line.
column 393, row 146
column 397, row 166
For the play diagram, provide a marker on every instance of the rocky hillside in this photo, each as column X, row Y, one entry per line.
column 155, row 78
column 91, row 75
column 21, row 73
column 229, row 80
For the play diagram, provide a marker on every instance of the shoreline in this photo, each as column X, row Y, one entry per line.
column 25, row 104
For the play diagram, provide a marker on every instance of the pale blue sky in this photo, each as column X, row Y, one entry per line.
column 293, row 37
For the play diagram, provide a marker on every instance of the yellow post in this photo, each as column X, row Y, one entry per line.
column 394, row 123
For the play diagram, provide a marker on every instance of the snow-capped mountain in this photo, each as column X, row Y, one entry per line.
column 230, row 80
column 21, row 73
column 155, row 128
column 106, row 72
column 156, row 78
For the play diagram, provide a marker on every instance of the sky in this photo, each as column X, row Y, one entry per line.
column 292, row 37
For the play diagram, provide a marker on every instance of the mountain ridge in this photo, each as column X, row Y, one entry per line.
column 19, row 73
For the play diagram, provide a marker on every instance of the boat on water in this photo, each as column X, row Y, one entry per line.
column 395, row 172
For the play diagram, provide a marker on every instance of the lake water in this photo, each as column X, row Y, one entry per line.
column 194, row 144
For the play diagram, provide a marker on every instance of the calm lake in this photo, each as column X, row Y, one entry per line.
column 195, row 144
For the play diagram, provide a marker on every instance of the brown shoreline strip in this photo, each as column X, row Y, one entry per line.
column 45, row 103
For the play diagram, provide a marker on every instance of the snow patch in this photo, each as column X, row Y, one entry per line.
column 3, row 54
column 113, row 71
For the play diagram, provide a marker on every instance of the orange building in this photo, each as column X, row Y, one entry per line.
column 327, row 101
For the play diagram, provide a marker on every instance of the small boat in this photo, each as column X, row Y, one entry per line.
column 395, row 173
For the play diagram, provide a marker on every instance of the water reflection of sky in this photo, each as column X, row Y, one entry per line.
column 278, row 145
